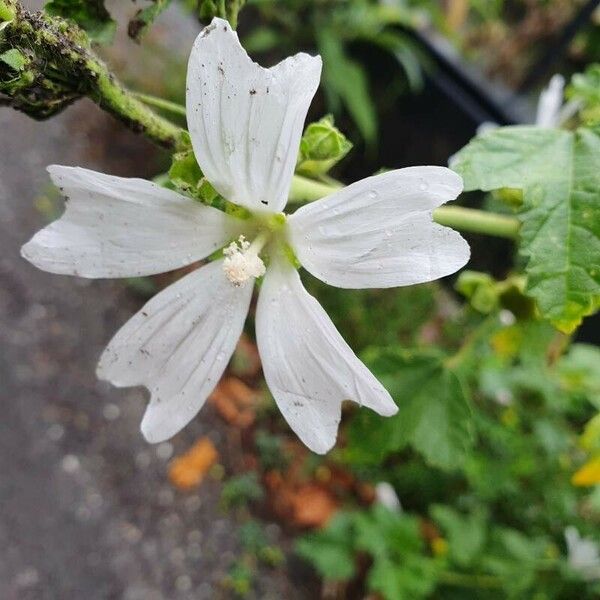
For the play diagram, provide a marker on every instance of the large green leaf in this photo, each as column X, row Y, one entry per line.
column 434, row 415
column 559, row 173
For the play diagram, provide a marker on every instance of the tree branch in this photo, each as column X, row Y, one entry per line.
column 57, row 66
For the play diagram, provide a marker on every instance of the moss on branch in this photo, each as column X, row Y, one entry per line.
column 52, row 64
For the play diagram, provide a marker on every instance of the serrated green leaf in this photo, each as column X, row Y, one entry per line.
column 559, row 173
column 434, row 415
column 90, row 15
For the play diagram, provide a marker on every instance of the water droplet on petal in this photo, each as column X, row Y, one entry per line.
column 373, row 194
column 423, row 186
column 388, row 233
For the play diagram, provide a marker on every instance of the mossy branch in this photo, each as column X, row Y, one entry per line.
column 56, row 66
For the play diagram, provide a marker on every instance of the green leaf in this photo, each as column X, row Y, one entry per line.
column 14, row 59
column 145, row 17
column 579, row 372
column 185, row 172
column 585, row 88
column 322, row 146
column 466, row 533
column 346, row 79
column 413, row 579
column 90, row 15
column 434, row 414
column 559, row 173
column 331, row 550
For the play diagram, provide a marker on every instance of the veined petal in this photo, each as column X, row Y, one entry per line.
column 118, row 227
column 178, row 346
column 308, row 367
column 246, row 121
column 379, row 232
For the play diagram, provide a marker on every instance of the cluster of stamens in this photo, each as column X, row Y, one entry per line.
column 242, row 261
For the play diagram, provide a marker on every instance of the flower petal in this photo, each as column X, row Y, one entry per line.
column 178, row 346
column 118, row 227
column 246, row 121
column 379, row 232
column 308, row 367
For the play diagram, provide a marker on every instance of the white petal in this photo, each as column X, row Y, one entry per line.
column 550, row 103
column 308, row 367
column 379, row 232
column 118, row 227
column 178, row 346
column 246, row 121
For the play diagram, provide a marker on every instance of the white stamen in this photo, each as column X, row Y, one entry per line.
column 242, row 261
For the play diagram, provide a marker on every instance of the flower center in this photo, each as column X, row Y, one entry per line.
column 242, row 261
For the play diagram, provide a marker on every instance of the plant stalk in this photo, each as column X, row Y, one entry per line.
column 457, row 217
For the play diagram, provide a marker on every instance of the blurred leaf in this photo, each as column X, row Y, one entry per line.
column 579, row 371
column 415, row 578
column 347, row 80
column 559, row 173
column 261, row 39
column 466, row 533
column 331, row 550
column 144, row 17
column 479, row 289
column 590, row 438
column 322, row 146
column 241, row 489
column 90, row 15
column 585, row 88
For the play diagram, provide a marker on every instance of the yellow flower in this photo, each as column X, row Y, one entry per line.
column 589, row 474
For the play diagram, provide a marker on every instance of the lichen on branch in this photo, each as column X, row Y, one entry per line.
column 46, row 63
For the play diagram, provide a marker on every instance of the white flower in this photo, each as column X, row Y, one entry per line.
column 245, row 123
column 550, row 112
column 385, row 494
column 550, row 103
column 583, row 554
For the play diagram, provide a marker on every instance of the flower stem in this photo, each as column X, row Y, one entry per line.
column 477, row 221
column 161, row 103
column 457, row 217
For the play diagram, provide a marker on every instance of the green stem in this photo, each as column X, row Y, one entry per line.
column 457, row 217
column 167, row 105
column 477, row 221
column 304, row 189
column 469, row 581
column 110, row 95
column 62, row 67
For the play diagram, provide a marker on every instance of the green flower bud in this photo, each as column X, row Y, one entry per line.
column 322, row 146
